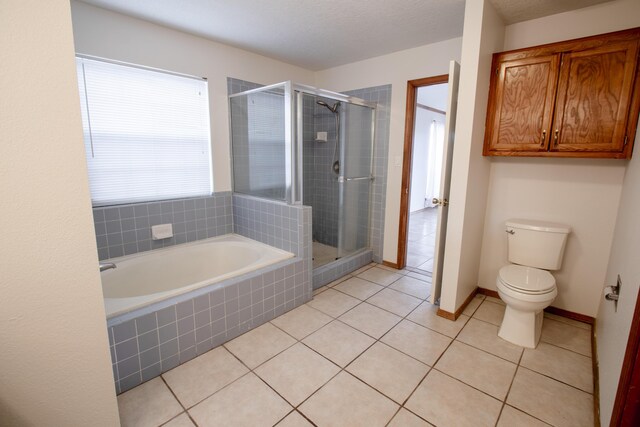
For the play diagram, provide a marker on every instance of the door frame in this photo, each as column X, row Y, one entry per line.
column 626, row 410
column 410, row 117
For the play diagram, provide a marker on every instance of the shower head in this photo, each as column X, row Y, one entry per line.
column 333, row 109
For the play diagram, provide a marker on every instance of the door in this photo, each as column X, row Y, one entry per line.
column 355, row 177
column 626, row 407
column 594, row 95
column 524, row 95
column 445, row 181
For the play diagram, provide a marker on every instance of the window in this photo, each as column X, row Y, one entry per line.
column 146, row 133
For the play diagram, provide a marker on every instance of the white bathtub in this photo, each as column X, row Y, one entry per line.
column 148, row 277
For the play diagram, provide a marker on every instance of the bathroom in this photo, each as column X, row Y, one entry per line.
column 51, row 289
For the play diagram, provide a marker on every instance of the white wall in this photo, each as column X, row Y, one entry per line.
column 420, row 162
column 612, row 328
column 601, row 18
column 582, row 193
column 112, row 35
column 54, row 358
column 395, row 69
column 483, row 35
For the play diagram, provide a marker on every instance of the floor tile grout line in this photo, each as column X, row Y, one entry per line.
column 456, row 379
column 365, row 301
column 228, row 384
column 469, row 385
column 506, row 396
column 555, row 379
column 378, row 284
column 175, row 396
column 300, row 341
column 541, row 340
column 562, row 348
column 251, row 371
column 376, row 340
column 488, row 352
column 520, row 409
column 177, row 416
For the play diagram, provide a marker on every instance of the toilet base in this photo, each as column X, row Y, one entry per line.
column 521, row 328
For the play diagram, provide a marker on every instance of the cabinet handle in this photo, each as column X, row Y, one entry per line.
column 544, row 136
column 555, row 137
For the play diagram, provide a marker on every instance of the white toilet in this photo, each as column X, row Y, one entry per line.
column 525, row 286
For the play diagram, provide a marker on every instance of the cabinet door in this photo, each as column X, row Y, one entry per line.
column 594, row 96
column 524, row 93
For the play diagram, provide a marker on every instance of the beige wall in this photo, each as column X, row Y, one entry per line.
column 483, row 35
column 612, row 327
column 395, row 69
column 112, row 35
column 582, row 193
column 54, row 358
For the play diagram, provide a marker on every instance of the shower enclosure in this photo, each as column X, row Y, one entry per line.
column 303, row 145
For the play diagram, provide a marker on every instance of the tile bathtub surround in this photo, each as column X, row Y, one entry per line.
column 126, row 229
column 286, row 227
column 145, row 346
column 320, row 364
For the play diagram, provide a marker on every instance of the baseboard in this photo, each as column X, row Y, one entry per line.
column 571, row 315
column 390, row 264
column 454, row 316
column 553, row 310
column 488, row 292
column 446, row 314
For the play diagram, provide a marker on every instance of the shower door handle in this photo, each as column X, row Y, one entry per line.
column 359, row 178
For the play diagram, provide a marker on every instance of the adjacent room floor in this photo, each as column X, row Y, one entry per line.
column 421, row 238
column 369, row 351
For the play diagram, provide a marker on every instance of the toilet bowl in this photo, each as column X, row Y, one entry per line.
column 526, row 287
column 526, row 291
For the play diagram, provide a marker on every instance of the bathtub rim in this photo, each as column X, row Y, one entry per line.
column 117, row 318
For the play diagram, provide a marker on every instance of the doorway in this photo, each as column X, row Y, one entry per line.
column 422, row 166
column 426, row 169
column 426, row 174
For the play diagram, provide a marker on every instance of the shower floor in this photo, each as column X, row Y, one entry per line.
column 323, row 254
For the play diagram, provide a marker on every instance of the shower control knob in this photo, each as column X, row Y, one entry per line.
column 440, row 202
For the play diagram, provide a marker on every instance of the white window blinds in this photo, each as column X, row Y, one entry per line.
column 146, row 133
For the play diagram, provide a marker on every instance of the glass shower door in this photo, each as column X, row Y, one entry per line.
column 355, row 177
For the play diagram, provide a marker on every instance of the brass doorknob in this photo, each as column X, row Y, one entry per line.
column 440, row 202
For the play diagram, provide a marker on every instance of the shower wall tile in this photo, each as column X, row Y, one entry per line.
column 271, row 222
column 126, row 229
column 330, row 272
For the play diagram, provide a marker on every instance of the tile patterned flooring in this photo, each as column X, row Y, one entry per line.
column 421, row 238
column 368, row 350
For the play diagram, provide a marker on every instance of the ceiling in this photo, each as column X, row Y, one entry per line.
column 320, row 34
column 435, row 96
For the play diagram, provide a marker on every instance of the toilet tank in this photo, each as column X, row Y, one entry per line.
column 537, row 244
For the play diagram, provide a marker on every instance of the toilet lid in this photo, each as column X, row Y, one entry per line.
column 527, row 279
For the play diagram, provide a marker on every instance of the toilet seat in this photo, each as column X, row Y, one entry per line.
column 527, row 280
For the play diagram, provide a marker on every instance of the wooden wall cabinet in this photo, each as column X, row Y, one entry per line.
column 578, row 98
